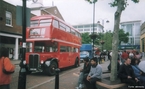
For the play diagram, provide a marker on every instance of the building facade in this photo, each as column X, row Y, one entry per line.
column 10, row 32
column 133, row 28
column 83, row 28
column 142, row 38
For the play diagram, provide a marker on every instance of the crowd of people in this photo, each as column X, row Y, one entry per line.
column 127, row 67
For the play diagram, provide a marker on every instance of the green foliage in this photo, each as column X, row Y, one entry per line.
column 124, row 3
column 136, row 1
column 107, row 37
column 90, row 1
column 123, row 37
column 86, row 38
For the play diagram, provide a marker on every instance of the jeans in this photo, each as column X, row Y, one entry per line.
column 82, row 77
column 91, row 84
column 80, row 80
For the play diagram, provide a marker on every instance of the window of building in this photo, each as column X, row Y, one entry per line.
column 80, row 29
column 80, row 26
column 86, row 29
column 129, row 29
column 86, row 26
column 75, row 26
column 137, row 29
column 8, row 18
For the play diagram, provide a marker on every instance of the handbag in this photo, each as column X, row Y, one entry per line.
column 5, row 71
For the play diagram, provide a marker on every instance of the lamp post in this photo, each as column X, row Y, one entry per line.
column 102, row 42
column 22, row 72
column 93, row 36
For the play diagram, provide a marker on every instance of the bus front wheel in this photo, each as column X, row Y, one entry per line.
column 51, row 69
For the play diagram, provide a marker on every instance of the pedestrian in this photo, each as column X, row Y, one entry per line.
column 138, row 57
column 118, row 65
column 131, row 55
column 84, row 73
column 94, row 75
column 6, row 68
column 126, row 74
column 124, row 56
column 137, row 71
column 108, row 54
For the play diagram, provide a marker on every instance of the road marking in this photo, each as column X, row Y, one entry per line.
column 51, row 79
column 76, row 74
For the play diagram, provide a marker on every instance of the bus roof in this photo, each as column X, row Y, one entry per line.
column 53, row 17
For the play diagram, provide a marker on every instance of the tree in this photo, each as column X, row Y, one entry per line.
column 85, row 38
column 108, row 40
column 123, row 37
column 121, row 5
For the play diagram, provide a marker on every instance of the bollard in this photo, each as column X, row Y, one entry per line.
column 57, row 78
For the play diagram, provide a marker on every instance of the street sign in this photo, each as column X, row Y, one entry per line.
column 19, row 16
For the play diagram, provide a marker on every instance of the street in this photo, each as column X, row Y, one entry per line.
column 42, row 81
column 67, row 79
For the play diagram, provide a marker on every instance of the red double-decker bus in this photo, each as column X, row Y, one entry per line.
column 51, row 43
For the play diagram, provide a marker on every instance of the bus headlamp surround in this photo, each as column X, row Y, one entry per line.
column 42, row 61
column 47, row 63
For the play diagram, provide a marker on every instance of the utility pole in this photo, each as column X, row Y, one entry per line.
column 22, row 72
column 93, row 35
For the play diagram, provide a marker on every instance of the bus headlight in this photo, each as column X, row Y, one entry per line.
column 47, row 63
column 42, row 61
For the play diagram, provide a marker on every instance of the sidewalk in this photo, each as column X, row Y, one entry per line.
column 66, row 81
column 16, row 62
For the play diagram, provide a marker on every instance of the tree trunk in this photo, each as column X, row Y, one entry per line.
column 115, row 42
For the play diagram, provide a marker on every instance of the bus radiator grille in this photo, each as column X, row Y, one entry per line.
column 34, row 61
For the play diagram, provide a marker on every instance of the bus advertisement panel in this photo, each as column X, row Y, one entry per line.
column 51, row 43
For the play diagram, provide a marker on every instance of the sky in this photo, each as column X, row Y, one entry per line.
column 77, row 12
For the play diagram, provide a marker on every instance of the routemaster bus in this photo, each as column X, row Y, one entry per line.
column 51, row 43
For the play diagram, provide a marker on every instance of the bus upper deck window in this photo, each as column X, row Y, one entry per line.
column 34, row 23
column 55, row 23
column 45, row 22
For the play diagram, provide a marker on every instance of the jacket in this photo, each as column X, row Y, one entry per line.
column 125, row 71
column 86, row 68
column 96, row 72
column 6, row 63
